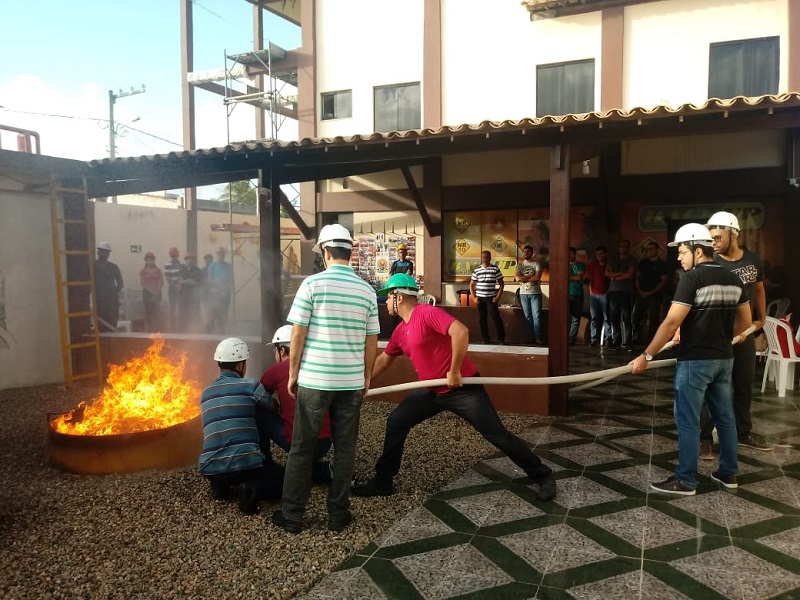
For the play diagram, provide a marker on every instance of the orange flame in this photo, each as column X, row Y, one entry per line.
column 145, row 393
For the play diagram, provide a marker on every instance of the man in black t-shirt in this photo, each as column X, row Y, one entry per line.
column 747, row 266
column 651, row 278
column 709, row 308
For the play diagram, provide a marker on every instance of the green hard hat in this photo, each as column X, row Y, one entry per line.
column 403, row 282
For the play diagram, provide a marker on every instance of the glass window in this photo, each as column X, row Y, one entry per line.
column 565, row 88
column 337, row 105
column 397, row 107
column 743, row 68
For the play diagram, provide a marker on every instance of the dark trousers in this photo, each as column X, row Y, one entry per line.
column 270, row 429
column 575, row 314
column 469, row 402
column 267, row 481
column 646, row 308
column 486, row 305
column 619, row 311
column 744, row 367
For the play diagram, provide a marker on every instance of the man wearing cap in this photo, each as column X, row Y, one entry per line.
column 709, row 307
column 747, row 266
column 402, row 264
column 152, row 280
column 436, row 343
column 191, row 282
column 231, row 458
column 107, row 286
column 333, row 347
column 220, row 286
column 172, row 274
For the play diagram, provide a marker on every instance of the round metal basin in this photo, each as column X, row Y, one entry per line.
column 176, row 446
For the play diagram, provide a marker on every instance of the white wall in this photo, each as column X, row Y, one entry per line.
column 667, row 45
column 490, row 51
column 30, row 345
column 362, row 44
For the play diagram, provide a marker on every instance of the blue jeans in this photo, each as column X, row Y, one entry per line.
column 598, row 305
column 469, row 402
column 532, row 308
column 709, row 381
column 344, row 407
column 575, row 313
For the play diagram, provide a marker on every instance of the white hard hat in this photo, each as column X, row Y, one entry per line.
column 231, row 350
column 283, row 335
column 723, row 219
column 692, row 233
column 334, row 236
column 104, row 246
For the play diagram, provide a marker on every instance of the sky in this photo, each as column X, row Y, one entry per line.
column 59, row 59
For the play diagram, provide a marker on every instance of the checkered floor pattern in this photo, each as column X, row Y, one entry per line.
column 606, row 535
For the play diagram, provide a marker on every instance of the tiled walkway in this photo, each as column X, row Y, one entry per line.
column 605, row 535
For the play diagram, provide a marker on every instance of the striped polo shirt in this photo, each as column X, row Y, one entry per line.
column 487, row 279
column 230, row 435
column 340, row 309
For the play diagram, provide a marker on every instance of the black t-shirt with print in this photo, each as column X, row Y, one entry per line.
column 749, row 269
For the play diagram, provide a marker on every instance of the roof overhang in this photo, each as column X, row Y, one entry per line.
column 551, row 9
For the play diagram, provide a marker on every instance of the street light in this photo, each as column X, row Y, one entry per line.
column 112, row 129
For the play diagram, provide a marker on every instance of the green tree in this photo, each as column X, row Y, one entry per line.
column 239, row 192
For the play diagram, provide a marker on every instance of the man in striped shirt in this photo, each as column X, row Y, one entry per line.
column 486, row 287
column 709, row 308
column 231, row 457
column 332, row 351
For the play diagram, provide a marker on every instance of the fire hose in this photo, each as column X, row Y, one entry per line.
column 594, row 377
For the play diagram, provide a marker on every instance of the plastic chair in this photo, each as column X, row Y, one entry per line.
column 783, row 363
column 426, row 299
column 777, row 308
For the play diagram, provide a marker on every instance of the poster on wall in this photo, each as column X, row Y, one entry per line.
column 499, row 236
column 462, row 244
column 374, row 254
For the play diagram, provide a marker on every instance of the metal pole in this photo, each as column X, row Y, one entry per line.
column 111, row 127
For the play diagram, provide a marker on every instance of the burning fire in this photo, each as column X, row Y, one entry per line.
column 145, row 393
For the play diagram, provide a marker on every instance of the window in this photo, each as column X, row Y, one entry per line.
column 743, row 68
column 565, row 88
column 397, row 107
column 337, row 105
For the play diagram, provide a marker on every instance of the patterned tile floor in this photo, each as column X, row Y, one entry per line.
column 605, row 535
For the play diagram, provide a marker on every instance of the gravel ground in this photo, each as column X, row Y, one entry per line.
column 158, row 534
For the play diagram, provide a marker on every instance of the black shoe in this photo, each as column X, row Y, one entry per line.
column 485, row 342
column 546, row 488
column 751, row 442
column 373, row 487
column 729, row 481
column 614, row 348
column 540, row 341
column 247, row 498
column 219, row 491
column 501, row 343
column 340, row 524
column 593, row 344
column 671, row 485
column 279, row 520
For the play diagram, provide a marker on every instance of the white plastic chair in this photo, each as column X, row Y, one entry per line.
column 426, row 299
column 777, row 308
column 783, row 364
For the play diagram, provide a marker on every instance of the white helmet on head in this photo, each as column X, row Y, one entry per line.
column 104, row 246
column 334, row 236
column 724, row 219
column 283, row 335
column 231, row 350
column 692, row 233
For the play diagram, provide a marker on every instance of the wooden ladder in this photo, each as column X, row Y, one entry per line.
column 73, row 257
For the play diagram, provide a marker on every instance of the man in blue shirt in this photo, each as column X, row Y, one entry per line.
column 231, row 457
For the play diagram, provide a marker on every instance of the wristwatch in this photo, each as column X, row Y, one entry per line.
column 647, row 357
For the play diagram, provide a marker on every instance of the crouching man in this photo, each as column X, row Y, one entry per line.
column 436, row 343
column 231, row 458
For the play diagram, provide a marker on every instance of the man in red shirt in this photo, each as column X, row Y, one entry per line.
column 598, row 295
column 277, row 423
column 436, row 343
